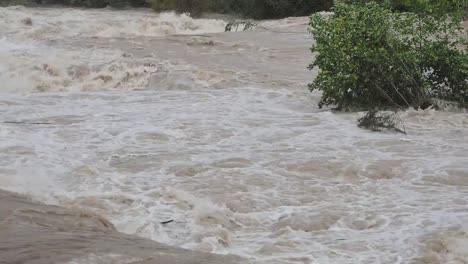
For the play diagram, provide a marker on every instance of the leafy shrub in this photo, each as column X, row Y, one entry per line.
column 370, row 56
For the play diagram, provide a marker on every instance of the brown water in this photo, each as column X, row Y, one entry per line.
column 144, row 118
column 35, row 233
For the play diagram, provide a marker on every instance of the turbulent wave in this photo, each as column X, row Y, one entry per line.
column 35, row 68
column 29, row 63
column 32, row 69
column 43, row 24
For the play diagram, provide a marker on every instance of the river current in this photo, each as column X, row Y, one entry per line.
column 177, row 131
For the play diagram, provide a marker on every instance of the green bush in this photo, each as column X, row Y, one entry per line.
column 370, row 56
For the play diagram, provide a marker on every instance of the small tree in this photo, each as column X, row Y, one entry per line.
column 372, row 56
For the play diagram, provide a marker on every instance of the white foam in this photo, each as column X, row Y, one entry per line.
column 301, row 185
column 50, row 23
column 40, row 68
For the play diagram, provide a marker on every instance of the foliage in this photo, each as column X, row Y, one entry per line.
column 258, row 9
column 86, row 3
column 371, row 56
column 16, row 2
column 80, row 3
column 283, row 8
column 413, row 5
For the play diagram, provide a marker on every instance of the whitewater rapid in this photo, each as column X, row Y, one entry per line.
column 147, row 118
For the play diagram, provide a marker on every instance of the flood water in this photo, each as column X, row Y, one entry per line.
column 144, row 118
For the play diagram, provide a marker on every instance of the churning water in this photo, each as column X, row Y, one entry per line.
column 145, row 118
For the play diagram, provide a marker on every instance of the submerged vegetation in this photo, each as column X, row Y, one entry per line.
column 374, row 55
column 379, row 121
